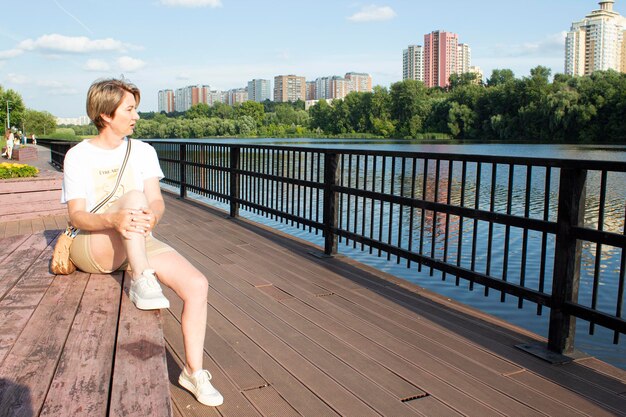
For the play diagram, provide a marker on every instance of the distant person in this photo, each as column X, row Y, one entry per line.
column 119, row 235
column 34, row 139
column 10, row 139
column 22, row 137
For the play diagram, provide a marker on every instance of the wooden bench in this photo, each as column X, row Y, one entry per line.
column 27, row 198
column 74, row 345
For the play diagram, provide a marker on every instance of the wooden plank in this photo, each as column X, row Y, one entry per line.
column 604, row 368
column 38, row 225
column 30, row 365
column 269, row 402
column 32, row 248
column 8, row 245
column 49, row 223
column 12, row 228
column 140, row 382
column 80, row 386
column 26, row 227
column 30, row 197
column 31, row 208
column 581, row 399
column 3, row 227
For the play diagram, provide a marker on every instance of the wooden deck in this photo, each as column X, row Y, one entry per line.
column 289, row 334
column 74, row 345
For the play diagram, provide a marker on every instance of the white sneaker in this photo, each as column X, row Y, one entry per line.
column 145, row 292
column 199, row 384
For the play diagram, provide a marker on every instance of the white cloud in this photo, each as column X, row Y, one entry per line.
column 192, row 3
column 373, row 13
column 16, row 78
column 96, row 65
column 182, row 76
column 72, row 44
column 10, row 53
column 129, row 64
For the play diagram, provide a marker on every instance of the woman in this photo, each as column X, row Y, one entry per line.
column 119, row 234
column 10, row 142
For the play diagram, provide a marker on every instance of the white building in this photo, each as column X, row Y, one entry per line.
column 464, row 58
column 413, row 63
column 166, row 101
column 79, row 121
column 259, row 90
column 596, row 42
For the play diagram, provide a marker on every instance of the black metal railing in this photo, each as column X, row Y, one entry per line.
column 521, row 226
column 58, row 148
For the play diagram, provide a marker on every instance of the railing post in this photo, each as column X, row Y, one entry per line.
column 234, row 181
column 330, row 203
column 183, row 170
column 567, row 254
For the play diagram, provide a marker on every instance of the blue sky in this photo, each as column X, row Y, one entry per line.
column 51, row 50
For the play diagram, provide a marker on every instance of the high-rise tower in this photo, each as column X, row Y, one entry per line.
column 440, row 57
column 597, row 42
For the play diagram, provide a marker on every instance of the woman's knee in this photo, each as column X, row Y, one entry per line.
column 133, row 199
column 197, row 287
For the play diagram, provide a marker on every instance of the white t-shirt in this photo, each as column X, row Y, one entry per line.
column 90, row 172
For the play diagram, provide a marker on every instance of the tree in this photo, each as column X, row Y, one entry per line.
column 38, row 122
column 198, row 111
column 221, row 110
column 409, row 106
column 16, row 107
column 465, row 79
column 252, row 109
column 499, row 77
column 320, row 114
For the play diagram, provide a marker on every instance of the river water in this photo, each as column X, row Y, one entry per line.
column 600, row 344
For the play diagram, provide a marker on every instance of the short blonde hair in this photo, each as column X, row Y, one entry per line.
column 105, row 96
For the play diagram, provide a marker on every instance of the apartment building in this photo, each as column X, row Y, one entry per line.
column 259, row 90
column 359, row 82
column 413, row 63
column 596, row 42
column 440, row 58
column 289, row 88
column 166, row 101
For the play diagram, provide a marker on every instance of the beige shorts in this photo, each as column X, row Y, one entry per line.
column 80, row 253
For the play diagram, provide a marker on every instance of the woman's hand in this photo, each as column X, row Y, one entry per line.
column 139, row 221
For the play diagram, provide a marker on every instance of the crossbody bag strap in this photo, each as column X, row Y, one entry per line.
column 117, row 183
column 71, row 231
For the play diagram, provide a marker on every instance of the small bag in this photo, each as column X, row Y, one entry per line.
column 61, row 263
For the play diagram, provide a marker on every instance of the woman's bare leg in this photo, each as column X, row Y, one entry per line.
column 192, row 287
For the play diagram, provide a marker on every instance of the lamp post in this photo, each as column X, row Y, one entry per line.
column 8, row 116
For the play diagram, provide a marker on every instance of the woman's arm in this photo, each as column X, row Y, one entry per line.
column 80, row 218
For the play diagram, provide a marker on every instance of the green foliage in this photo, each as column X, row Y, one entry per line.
column 9, row 170
column 39, row 122
column 252, row 109
column 16, row 108
column 64, row 133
